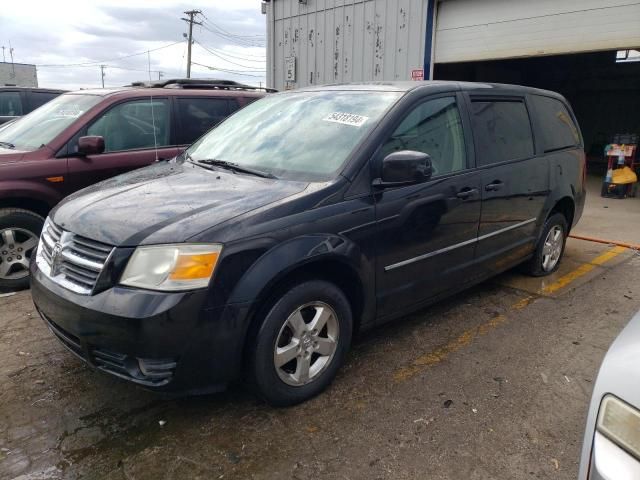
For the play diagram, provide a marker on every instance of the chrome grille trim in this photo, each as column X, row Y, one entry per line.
column 79, row 260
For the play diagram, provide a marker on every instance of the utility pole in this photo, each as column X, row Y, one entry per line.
column 192, row 14
column 102, row 67
column 160, row 75
column 4, row 59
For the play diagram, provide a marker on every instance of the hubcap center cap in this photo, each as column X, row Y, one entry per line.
column 307, row 342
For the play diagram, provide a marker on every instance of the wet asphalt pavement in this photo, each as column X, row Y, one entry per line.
column 491, row 384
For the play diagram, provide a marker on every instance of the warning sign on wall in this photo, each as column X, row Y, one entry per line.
column 417, row 74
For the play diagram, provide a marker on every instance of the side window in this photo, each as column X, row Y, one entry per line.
column 501, row 131
column 40, row 98
column 556, row 125
column 133, row 125
column 10, row 104
column 197, row 115
column 433, row 127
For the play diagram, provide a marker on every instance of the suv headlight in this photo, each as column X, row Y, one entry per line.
column 171, row 267
column 620, row 423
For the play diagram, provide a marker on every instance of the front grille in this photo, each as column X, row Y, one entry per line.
column 70, row 260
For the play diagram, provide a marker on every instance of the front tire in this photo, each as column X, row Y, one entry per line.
column 550, row 248
column 19, row 233
column 301, row 343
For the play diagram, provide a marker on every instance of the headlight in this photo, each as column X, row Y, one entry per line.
column 171, row 267
column 620, row 423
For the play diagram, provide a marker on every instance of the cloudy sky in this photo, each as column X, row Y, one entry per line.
column 69, row 39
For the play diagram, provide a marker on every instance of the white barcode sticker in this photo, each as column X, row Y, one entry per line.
column 346, row 119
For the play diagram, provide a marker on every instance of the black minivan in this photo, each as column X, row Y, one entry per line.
column 305, row 217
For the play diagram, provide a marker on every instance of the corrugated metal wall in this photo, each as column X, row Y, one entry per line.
column 469, row 30
column 345, row 40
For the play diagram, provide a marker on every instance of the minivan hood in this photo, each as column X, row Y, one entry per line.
column 166, row 203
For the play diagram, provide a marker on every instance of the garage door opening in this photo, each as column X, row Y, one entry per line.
column 603, row 91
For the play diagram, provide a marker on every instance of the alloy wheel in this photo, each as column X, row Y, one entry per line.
column 552, row 248
column 306, row 343
column 16, row 248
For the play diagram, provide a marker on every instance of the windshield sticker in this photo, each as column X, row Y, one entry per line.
column 346, row 119
column 68, row 111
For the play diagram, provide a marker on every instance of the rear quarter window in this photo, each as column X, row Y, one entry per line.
column 40, row 98
column 501, row 130
column 198, row 115
column 557, row 128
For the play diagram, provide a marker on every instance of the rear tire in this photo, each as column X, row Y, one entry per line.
column 19, row 233
column 301, row 343
column 550, row 247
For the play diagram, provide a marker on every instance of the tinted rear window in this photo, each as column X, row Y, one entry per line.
column 557, row 128
column 10, row 104
column 501, row 131
column 40, row 98
column 197, row 115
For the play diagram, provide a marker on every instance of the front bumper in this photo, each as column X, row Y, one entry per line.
column 160, row 340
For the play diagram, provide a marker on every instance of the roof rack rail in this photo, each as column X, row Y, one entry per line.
column 198, row 83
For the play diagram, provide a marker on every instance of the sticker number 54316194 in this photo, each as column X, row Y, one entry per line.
column 346, row 119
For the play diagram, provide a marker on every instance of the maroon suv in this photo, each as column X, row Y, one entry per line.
column 83, row 137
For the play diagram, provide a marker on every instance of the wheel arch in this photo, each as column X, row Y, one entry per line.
column 344, row 267
column 566, row 206
column 34, row 205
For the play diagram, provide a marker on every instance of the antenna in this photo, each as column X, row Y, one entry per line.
column 153, row 116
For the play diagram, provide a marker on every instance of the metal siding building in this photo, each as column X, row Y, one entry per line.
column 329, row 41
column 18, row 75
column 344, row 40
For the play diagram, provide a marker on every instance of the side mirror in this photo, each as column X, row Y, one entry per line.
column 404, row 168
column 90, row 145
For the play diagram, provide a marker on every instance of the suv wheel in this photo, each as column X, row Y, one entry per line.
column 550, row 248
column 301, row 344
column 19, row 233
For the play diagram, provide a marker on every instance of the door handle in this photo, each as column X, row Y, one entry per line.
column 466, row 193
column 494, row 186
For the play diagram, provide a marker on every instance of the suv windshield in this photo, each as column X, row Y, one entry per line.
column 302, row 136
column 45, row 123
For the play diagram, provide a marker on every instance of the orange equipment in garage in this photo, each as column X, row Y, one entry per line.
column 621, row 170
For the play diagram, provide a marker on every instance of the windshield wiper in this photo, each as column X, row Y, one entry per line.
column 7, row 144
column 235, row 167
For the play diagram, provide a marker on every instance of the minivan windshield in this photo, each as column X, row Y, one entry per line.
column 44, row 124
column 298, row 135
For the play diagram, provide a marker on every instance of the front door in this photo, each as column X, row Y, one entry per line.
column 427, row 232
column 515, row 182
column 136, row 134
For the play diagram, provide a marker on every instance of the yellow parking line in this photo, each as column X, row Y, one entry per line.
column 582, row 270
column 436, row 356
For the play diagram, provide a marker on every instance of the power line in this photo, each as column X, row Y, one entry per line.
column 206, row 19
column 235, row 72
column 110, row 66
column 243, row 43
column 98, row 62
column 224, row 53
column 224, row 59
